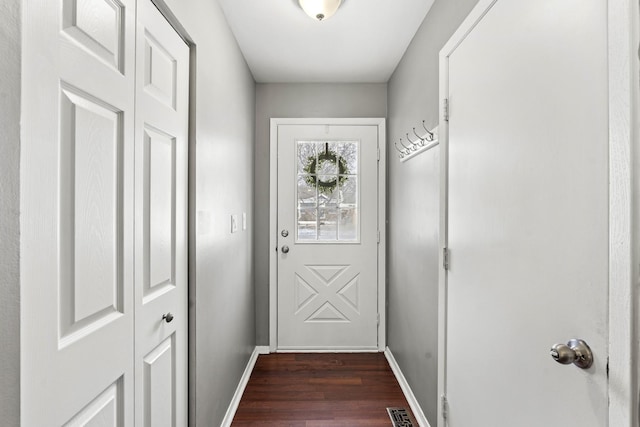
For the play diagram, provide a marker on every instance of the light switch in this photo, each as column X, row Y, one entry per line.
column 234, row 223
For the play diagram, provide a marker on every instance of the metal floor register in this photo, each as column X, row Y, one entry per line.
column 400, row 417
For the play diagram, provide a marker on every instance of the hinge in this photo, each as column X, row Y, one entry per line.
column 378, row 236
column 445, row 406
column 445, row 258
column 378, row 320
column 445, row 109
column 378, row 153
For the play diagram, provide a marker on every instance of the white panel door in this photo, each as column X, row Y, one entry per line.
column 162, row 106
column 327, row 237
column 77, row 213
column 527, row 218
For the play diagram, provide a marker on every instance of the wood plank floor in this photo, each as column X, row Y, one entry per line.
column 318, row 390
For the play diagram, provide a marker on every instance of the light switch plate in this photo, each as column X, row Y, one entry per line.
column 234, row 223
column 244, row 220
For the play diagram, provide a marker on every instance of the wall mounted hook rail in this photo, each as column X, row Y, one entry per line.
column 431, row 134
column 407, row 150
column 423, row 143
column 415, row 144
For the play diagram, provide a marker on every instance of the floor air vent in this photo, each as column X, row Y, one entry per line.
column 400, row 417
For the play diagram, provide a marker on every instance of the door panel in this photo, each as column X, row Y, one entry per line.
column 159, row 385
column 105, row 410
column 77, row 213
column 91, row 242
column 160, row 150
column 528, row 215
column 327, row 203
column 96, row 25
column 162, row 107
column 159, row 71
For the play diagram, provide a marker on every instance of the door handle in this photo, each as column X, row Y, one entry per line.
column 285, row 249
column 575, row 351
column 167, row 317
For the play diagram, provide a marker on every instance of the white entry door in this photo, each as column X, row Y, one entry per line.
column 327, row 237
column 76, row 272
column 162, row 106
column 527, row 213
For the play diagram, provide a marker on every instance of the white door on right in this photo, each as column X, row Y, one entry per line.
column 527, row 214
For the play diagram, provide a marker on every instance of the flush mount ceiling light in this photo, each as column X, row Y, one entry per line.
column 320, row 9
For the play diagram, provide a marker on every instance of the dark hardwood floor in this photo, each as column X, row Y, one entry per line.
column 313, row 390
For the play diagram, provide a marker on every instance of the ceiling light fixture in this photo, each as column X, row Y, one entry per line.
column 320, row 9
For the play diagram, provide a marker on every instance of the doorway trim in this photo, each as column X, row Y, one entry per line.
column 624, row 210
column 273, row 216
column 623, row 28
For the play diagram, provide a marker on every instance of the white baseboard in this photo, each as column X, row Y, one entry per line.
column 408, row 393
column 262, row 349
column 328, row 350
column 237, row 396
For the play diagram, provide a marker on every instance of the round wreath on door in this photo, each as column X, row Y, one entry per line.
column 312, row 165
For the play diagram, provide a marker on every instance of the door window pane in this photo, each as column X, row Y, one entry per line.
column 349, row 192
column 307, row 224
column 307, row 210
column 327, row 224
column 349, row 152
column 307, row 197
column 348, row 225
column 327, row 191
column 306, row 151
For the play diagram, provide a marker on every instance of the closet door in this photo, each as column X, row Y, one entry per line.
column 161, row 128
column 77, row 213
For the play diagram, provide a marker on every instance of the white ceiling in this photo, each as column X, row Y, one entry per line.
column 362, row 42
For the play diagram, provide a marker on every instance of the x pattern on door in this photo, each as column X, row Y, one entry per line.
column 327, row 293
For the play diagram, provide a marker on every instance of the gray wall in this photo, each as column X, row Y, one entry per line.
column 222, row 327
column 413, row 210
column 10, row 24
column 291, row 101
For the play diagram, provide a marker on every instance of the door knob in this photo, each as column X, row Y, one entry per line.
column 285, row 249
column 575, row 351
column 167, row 317
column 284, row 233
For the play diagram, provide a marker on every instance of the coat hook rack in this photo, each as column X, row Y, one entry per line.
column 424, row 142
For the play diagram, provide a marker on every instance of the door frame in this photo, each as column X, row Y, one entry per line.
column 273, row 217
column 624, row 165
